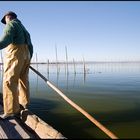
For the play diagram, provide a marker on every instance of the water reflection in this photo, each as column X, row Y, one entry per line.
column 108, row 91
column 91, row 69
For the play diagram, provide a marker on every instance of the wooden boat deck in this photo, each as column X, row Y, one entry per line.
column 28, row 126
column 13, row 128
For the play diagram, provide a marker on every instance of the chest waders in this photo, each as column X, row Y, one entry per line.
column 15, row 78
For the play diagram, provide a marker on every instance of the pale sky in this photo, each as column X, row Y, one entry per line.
column 95, row 30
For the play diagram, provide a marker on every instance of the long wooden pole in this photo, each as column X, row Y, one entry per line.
column 98, row 124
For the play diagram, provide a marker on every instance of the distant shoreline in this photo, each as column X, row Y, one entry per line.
column 86, row 62
column 81, row 62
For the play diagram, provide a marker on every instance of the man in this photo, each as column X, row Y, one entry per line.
column 18, row 53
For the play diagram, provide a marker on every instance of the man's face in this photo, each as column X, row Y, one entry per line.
column 8, row 18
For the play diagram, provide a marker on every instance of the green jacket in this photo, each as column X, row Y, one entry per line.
column 15, row 33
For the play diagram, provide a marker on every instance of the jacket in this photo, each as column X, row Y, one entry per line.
column 15, row 33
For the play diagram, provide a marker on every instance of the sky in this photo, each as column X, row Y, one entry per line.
column 89, row 30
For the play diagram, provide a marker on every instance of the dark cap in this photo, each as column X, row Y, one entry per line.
column 8, row 13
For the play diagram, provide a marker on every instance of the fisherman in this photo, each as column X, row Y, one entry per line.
column 18, row 48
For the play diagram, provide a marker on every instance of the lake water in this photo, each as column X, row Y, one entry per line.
column 110, row 92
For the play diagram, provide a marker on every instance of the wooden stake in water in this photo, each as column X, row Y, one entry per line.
column 48, row 67
column 36, row 61
column 1, row 61
column 1, row 69
column 56, row 58
column 84, row 66
column 66, row 59
column 84, row 69
column 74, row 66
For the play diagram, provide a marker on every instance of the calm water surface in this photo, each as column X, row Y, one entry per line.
column 110, row 92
